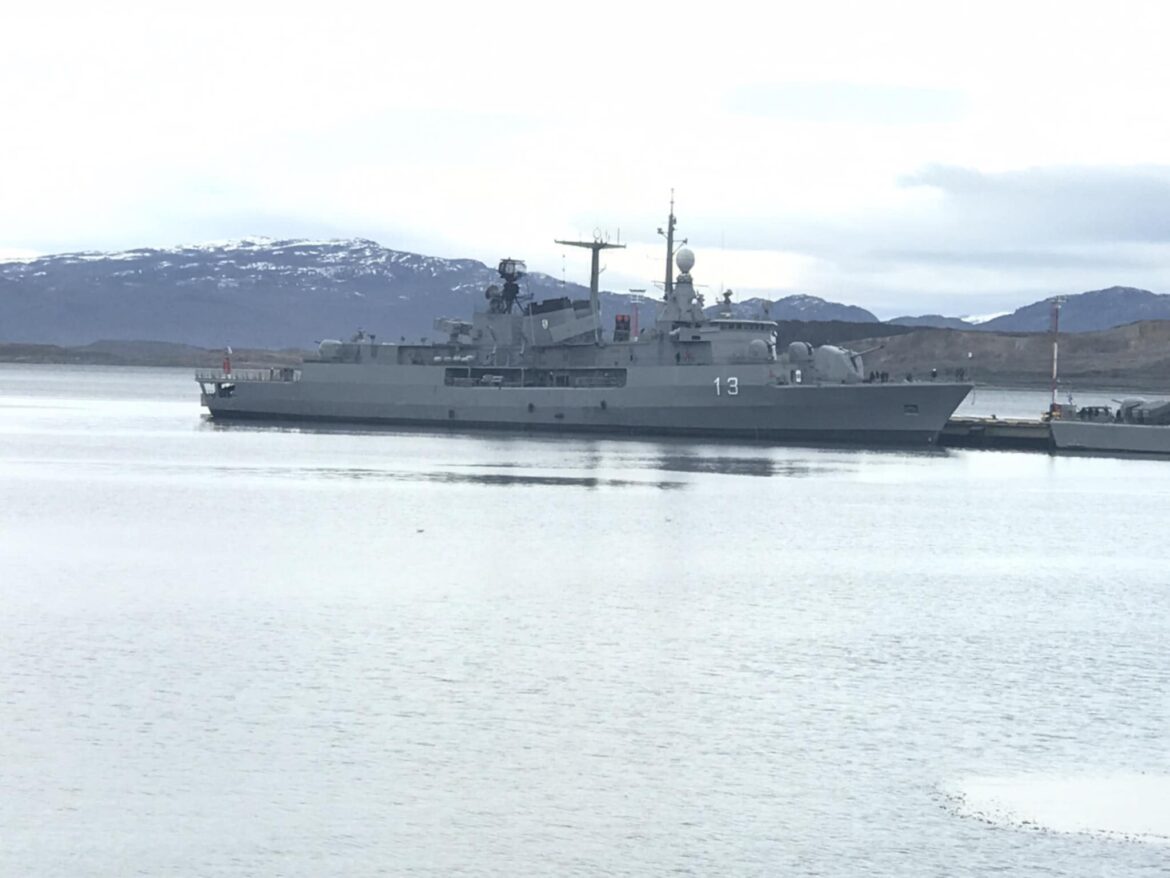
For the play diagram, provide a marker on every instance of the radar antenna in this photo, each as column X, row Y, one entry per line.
column 501, row 301
column 596, row 245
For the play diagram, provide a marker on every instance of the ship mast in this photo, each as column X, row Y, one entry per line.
column 668, row 287
column 596, row 245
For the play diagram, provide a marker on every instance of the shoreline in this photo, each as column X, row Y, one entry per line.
column 174, row 355
column 143, row 353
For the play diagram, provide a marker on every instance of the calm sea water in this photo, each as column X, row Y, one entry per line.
column 260, row 651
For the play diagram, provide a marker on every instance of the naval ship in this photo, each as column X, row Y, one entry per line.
column 1137, row 427
column 521, row 364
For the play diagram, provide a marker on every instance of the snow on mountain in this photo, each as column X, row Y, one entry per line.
column 258, row 292
column 17, row 254
column 976, row 319
column 264, row 292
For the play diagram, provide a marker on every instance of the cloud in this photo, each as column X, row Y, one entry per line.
column 849, row 102
column 1020, row 215
column 1065, row 204
column 858, row 151
column 1044, row 258
column 961, row 239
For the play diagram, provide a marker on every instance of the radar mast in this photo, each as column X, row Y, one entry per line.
column 668, row 286
column 596, row 245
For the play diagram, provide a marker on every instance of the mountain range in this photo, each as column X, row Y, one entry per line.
column 290, row 293
column 1084, row 312
column 256, row 292
column 797, row 307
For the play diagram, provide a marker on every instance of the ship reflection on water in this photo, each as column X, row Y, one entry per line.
column 553, row 481
column 738, row 466
column 523, row 459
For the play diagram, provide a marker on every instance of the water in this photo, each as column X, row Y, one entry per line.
column 260, row 651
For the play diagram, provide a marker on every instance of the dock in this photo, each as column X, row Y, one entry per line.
column 1018, row 434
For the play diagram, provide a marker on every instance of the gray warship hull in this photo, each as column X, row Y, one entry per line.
column 708, row 401
column 1110, row 438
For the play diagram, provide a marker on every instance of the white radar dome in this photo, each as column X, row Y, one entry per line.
column 685, row 260
column 800, row 352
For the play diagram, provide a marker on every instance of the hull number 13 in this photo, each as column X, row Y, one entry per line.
column 732, row 386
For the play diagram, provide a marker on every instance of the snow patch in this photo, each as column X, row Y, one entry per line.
column 1124, row 806
column 984, row 318
column 74, row 258
column 251, row 242
column 16, row 254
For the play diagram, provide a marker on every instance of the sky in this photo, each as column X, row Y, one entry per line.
column 935, row 157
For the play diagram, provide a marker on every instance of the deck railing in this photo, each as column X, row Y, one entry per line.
column 218, row 376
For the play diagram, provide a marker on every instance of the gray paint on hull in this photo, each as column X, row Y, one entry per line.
column 1125, row 438
column 857, row 414
column 835, row 437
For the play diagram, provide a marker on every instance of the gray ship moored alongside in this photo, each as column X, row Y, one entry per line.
column 547, row 365
column 1137, row 427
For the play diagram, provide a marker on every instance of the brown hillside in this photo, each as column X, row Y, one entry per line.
column 1137, row 354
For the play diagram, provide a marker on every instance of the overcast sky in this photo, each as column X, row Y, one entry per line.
column 907, row 157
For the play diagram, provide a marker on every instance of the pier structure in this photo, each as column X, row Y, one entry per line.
column 1016, row 434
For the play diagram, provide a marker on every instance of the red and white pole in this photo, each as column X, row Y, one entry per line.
column 1055, row 349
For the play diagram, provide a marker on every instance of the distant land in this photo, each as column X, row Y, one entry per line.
column 935, row 321
column 144, row 353
column 278, row 294
column 273, row 300
column 1134, row 356
column 1084, row 312
column 268, row 294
